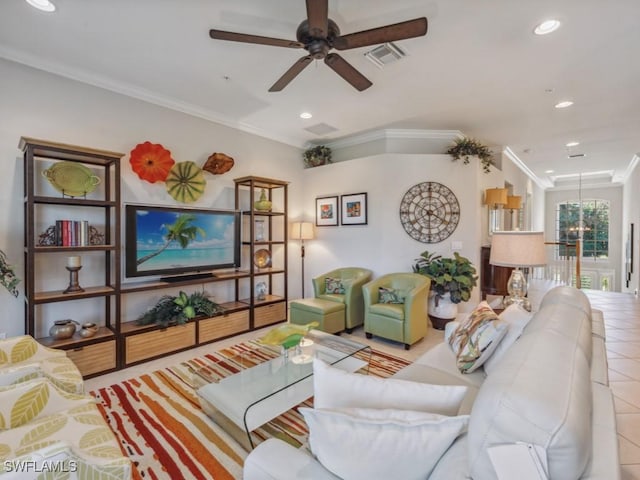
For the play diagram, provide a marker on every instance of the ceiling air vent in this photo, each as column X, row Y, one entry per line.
column 321, row 129
column 385, row 54
column 577, row 155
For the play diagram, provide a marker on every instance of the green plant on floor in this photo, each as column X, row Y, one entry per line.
column 464, row 148
column 456, row 276
column 177, row 310
column 8, row 277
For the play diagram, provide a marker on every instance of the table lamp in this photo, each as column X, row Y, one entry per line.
column 302, row 231
column 514, row 202
column 495, row 198
column 517, row 249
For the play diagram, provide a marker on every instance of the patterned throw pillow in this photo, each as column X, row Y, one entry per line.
column 389, row 295
column 476, row 338
column 333, row 285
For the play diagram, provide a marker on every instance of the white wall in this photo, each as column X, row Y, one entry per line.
column 382, row 245
column 614, row 196
column 631, row 214
column 41, row 105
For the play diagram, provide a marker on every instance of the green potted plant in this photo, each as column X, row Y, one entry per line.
column 177, row 310
column 316, row 156
column 463, row 148
column 452, row 280
column 8, row 277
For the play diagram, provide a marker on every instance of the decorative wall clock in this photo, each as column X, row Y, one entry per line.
column 429, row 212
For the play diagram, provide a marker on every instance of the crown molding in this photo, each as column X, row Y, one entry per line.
column 136, row 92
column 544, row 184
column 391, row 134
column 627, row 173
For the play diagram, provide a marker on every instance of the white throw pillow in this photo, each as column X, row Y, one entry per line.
column 517, row 318
column 365, row 444
column 334, row 388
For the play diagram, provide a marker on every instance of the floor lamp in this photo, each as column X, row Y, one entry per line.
column 518, row 249
column 302, row 231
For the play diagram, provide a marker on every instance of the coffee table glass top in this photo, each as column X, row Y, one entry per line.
column 261, row 392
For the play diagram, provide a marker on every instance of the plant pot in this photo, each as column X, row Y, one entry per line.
column 443, row 313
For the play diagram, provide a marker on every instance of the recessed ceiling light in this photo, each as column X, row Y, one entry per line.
column 564, row 104
column 546, row 27
column 306, row 115
column 573, row 144
column 549, row 171
column 44, row 5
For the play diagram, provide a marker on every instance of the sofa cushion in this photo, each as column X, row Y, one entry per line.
column 27, row 401
column 570, row 296
column 392, row 310
column 476, row 338
column 516, row 319
column 454, row 463
column 361, row 443
column 334, row 388
column 539, row 394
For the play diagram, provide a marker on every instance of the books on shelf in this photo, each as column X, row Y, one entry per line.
column 72, row 233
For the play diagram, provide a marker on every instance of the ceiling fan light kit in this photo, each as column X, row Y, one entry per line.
column 318, row 35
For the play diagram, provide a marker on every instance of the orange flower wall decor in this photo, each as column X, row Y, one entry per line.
column 151, row 161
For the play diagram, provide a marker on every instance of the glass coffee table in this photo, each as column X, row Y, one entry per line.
column 242, row 402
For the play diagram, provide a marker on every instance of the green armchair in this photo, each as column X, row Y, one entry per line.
column 404, row 322
column 352, row 279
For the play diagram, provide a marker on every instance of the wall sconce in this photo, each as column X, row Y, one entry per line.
column 302, row 231
column 495, row 199
column 514, row 202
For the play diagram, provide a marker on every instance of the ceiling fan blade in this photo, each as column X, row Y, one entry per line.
column 290, row 74
column 246, row 38
column 390, row 33
column 318, row 16
column 347, row 71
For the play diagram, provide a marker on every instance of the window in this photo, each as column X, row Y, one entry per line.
column 595, row 226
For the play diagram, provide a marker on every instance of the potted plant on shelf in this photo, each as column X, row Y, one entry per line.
column 177, row 310
column 463, row 148
column 316, row 156
column 452, row 280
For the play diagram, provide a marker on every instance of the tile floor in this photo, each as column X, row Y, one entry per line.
column 622, row 319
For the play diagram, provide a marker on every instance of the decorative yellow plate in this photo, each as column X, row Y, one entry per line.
column 262, row 258
column 72, row 179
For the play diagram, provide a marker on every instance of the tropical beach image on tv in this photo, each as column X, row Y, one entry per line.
column 163, row 240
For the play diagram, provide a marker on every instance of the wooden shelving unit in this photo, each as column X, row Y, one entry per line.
column 97, row 354
column 273, row 308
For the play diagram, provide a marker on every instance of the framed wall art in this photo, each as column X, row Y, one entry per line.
column 354, row 209
column 327, row 211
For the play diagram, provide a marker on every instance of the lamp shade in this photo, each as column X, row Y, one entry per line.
column 518, row 249
column 495, row 196
column 514, row 202
column 302, row 231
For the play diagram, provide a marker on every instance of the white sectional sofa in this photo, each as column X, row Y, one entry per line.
column 546, row 403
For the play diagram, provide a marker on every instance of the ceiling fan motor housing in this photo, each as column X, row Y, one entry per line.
column 317, row 46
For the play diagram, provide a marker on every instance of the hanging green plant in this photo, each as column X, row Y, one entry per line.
column 316, row 156
column 8, row 277
column 177, row 310
column 463, row 148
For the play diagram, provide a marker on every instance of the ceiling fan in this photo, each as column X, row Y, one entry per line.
column 318, row 34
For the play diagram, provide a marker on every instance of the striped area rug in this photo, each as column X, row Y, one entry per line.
column 159, row 422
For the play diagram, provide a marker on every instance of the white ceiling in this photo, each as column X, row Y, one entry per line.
column 479, row 69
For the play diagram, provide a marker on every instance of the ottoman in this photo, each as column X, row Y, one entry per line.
column 330, row 315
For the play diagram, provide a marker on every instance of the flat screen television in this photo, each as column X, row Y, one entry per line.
column 173, row 241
